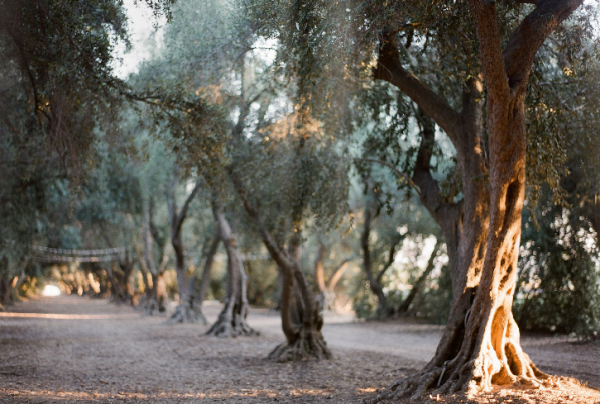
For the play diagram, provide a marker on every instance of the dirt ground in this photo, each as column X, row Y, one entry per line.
column 74, row 349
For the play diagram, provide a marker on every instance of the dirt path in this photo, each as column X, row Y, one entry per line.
column 70, row 349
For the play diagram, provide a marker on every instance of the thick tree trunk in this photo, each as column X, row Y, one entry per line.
column 301, row 317
column 491, row 352
column 232, row 319
column 488, row 350
column 303, row 338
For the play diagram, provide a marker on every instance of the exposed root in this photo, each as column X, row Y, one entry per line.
column 183, row 314
column 231, row 325
column 500, row 362
column 310, row 344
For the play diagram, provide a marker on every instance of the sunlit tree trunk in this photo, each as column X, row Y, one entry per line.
column 485, row 350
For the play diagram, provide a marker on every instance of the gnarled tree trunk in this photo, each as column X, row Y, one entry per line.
column 301, row 317
column 303, row 336
column 232, row 319
column 481, row 347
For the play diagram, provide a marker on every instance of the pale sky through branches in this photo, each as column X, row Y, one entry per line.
column 146, row 36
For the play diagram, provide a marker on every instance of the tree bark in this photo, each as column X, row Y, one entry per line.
column 232, row 319
column 481, row 347
column 303, row 337
column 186, row 311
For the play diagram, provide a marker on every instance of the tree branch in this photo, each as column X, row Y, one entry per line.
column 430, row 190
column 531, row 34
column 278, row 254
column 417, row 286
column 389, row 68
column 405, row 176
column 183, row 212
column 391, row 256
column 490, row 51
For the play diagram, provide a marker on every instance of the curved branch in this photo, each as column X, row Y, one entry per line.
column 389, row 68
column 531, row 34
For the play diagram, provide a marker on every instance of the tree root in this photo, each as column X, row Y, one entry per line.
column 310, row 344
column 507, row 365
column 228, row 327
column 183, row 314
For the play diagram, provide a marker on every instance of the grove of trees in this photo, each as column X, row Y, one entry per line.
column 398, row 159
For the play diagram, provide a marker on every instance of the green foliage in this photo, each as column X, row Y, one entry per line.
column 559, row 280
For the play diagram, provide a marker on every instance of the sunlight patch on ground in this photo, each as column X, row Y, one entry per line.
column 51, row 290
column 69, row 316
column 100, row 395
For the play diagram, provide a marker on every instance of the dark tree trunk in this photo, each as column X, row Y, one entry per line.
column 232, row 319
column 383, row 309
column 120, row 276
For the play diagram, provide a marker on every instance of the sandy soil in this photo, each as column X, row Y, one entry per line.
column 71, row 349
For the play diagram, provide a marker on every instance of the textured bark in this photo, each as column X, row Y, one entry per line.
column 232, row 319
column 480, row 346
column 300, row 313
column 303, row 337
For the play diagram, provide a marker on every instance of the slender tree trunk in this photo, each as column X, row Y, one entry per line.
column 185, row 312
column 419, row 283
column 232, row 319
column 383, row 309
column 156, row 290
column 327, row 289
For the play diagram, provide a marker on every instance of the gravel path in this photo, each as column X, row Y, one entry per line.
column 71, row 349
